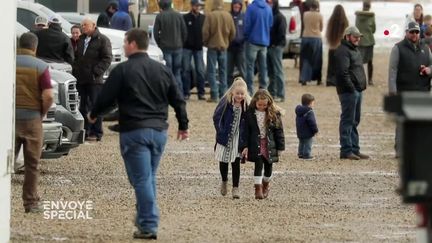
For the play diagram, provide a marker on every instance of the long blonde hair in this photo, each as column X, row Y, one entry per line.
column 238, row 83
column 272, row 111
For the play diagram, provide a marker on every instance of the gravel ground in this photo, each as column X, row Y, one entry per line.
column 323, row 200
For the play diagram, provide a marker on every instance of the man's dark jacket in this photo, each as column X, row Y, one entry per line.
column 237, row 45
column 169, row 29
column 89, row 68
column 275, row 138
column 350, row 75
column 194, row 24
column 143, row 89
column 54, row 45
column 279, row 27
column 306, row 125
column 408, row 73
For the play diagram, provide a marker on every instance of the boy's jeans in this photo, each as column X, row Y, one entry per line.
column 305, row 147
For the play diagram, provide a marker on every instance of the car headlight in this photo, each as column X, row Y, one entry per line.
column 55, row 88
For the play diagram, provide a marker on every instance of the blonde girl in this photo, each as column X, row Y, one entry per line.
column 228, row 119
column 264, row 139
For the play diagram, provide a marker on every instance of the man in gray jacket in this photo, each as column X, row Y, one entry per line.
column 409, row 66
column 170, row 33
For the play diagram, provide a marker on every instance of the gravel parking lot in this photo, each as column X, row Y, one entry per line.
column 322, row 200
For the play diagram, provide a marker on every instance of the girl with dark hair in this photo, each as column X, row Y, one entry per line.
column 263, row 139
column 336, row 26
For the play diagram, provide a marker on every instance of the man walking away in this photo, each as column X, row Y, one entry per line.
column 143, row 89
column 93, row 59
column 34, row 96
column 53, row 43
column 218, row 32
column 350, row 83
column 170, row 33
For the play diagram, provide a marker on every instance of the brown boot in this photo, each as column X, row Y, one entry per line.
column 266, row 188
column 224, row 188
column 259, row 191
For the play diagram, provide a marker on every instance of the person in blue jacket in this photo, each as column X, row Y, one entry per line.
column 121, row 19
column 257, row 23
column 306, row 126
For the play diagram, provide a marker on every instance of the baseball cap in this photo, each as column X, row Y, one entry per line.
column 413, row 26
column 40, row 20
column 354, row 31
column 195, row 2
column 55, row 19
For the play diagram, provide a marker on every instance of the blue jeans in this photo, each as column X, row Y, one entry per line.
column 173, row 59
column 305, row 147
column 141, row 150
column 275, row 72
column 236, row 58
column 254, row 52
column 197, row 57
column 217, row 90
column 349, row 121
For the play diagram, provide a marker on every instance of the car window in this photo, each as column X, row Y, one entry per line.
column 60, row 6
column 26, row 18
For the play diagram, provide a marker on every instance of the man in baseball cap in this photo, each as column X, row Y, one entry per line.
column 354, row 31
column 54, row 19
column 409, row 67
column 413, row 26
column 350, row 84
column 40, row 23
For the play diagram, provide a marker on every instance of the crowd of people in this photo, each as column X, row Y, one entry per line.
column 248, row 123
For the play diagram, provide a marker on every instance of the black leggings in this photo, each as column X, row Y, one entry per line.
column 259, row 167
column 223, row 167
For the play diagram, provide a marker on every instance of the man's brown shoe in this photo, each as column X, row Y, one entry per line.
column 350, row 157
column 362, row 156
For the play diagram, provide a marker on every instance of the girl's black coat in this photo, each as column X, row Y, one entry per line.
column 275, row 138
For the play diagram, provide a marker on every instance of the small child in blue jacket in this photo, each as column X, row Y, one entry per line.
column 306, row 126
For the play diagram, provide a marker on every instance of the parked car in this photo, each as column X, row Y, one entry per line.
column 28, row 11
column 63, row 126
column 293, row 17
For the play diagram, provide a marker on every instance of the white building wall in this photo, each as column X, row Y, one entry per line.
column 7, row 94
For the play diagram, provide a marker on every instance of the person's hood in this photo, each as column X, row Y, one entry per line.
column 302, row 109
column 112, row 3
column 55, row 26
column 275, row 7
column 124, row 6
column 165, row 4
column 234, row 2
column 364, row 13
column 260, row 3
column 217, row 5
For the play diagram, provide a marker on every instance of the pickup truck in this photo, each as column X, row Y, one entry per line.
column 63, row 126
column 293, row 17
